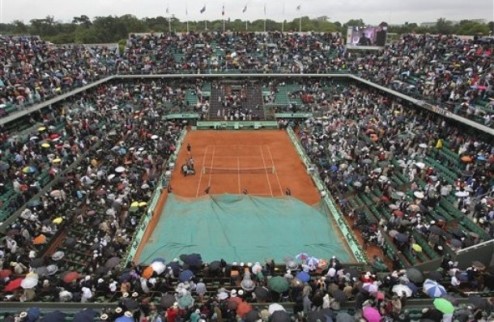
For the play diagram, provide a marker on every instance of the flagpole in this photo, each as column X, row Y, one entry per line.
column 300, row 24
column 264, row 17
column 187, row 17
column 283, row 19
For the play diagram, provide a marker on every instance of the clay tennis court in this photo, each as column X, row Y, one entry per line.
column 264, row 163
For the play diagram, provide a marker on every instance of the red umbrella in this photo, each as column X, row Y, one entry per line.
column 5, row 273
column 398, row 213
column 13, row 285
column 68, row 277
column 243, row 308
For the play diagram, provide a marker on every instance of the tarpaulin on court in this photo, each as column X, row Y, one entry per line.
column 242, row 228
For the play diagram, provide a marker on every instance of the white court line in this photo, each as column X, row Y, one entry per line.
column 276, row 173
column 212, row 162
column 238, row 174
column 202, row 166
column 267, row 176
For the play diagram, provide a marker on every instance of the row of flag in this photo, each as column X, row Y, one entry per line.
column 203, row 9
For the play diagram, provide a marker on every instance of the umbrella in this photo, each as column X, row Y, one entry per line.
column 243, row 308
column 339, row 296
column 185, row 275
column 30, row 281
column 58, row 255
column 280, row 316
column 57, row 221
column 370, row 287
column 186, row 301
column 312, row 262
column 433, row 288
column 5, row 273
column 39, row 240
column 275, row 307
column 119, row 169
column 252, row 316
column 112, row 262
column 167, row 300
column 436, row 230
column 13, row 285
column 344, row 317
column 68, row 277
column 302, row 257
column 415, row 275
column 193, row 260
column 124, row 318
column 55, row 316
column 278, row 284
column 162, row 260
column 462, row 194
column 84, row 315
column 402, row 289
column 261, row 293
column 479, row 302
column 444, row 306
column 420, row 165
column 402, row 238
column 33, row 314
column 435, row 276
column 371, row 314
column 303, row 276
column 29, row 170
column 148, row 272
column 353, row 272
column 419, row 194
column 4, row 166
column 37, row 262
column 130, row 304
column 41, row 271
column 158, row 267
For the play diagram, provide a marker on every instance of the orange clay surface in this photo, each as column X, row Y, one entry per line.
column 243, row 150
column 238, row 150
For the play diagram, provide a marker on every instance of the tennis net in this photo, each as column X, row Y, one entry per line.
column 214, row 170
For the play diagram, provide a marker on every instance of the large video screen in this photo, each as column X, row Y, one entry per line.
column 370, row 36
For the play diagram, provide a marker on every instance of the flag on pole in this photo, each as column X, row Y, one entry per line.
column 223, row 10
column 203, row 9
column 167, row 10
column 264, row 9
column 186, row 11
column 298, row 8
column 245, row 9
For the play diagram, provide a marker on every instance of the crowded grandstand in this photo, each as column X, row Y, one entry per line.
column 399, row 140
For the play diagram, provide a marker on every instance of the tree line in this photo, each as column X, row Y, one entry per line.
column 112, row 29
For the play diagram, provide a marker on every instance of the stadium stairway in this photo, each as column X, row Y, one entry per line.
column 214, row 103
column 254, row 100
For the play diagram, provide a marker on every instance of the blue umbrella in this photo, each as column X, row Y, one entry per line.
column 333, row 168
column 303, row 276
column 55, row 316
column 433, row 288
column 33, row 314
column 124, row 318
column 185, row 276
column 84, row 315
column 193, row 260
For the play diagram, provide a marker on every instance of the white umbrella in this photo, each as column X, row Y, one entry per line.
column 158, row 267
column 119, row 169
column 30, row 281
column 154, row 137
column 275, row 307
column 462, row 194
column 419, row 194
column 422, row 145
column 420, row 165
column 400, row 289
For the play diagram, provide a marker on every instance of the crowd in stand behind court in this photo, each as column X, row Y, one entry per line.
column 444, row 70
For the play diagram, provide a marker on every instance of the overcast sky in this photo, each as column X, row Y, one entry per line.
column 371, row 11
